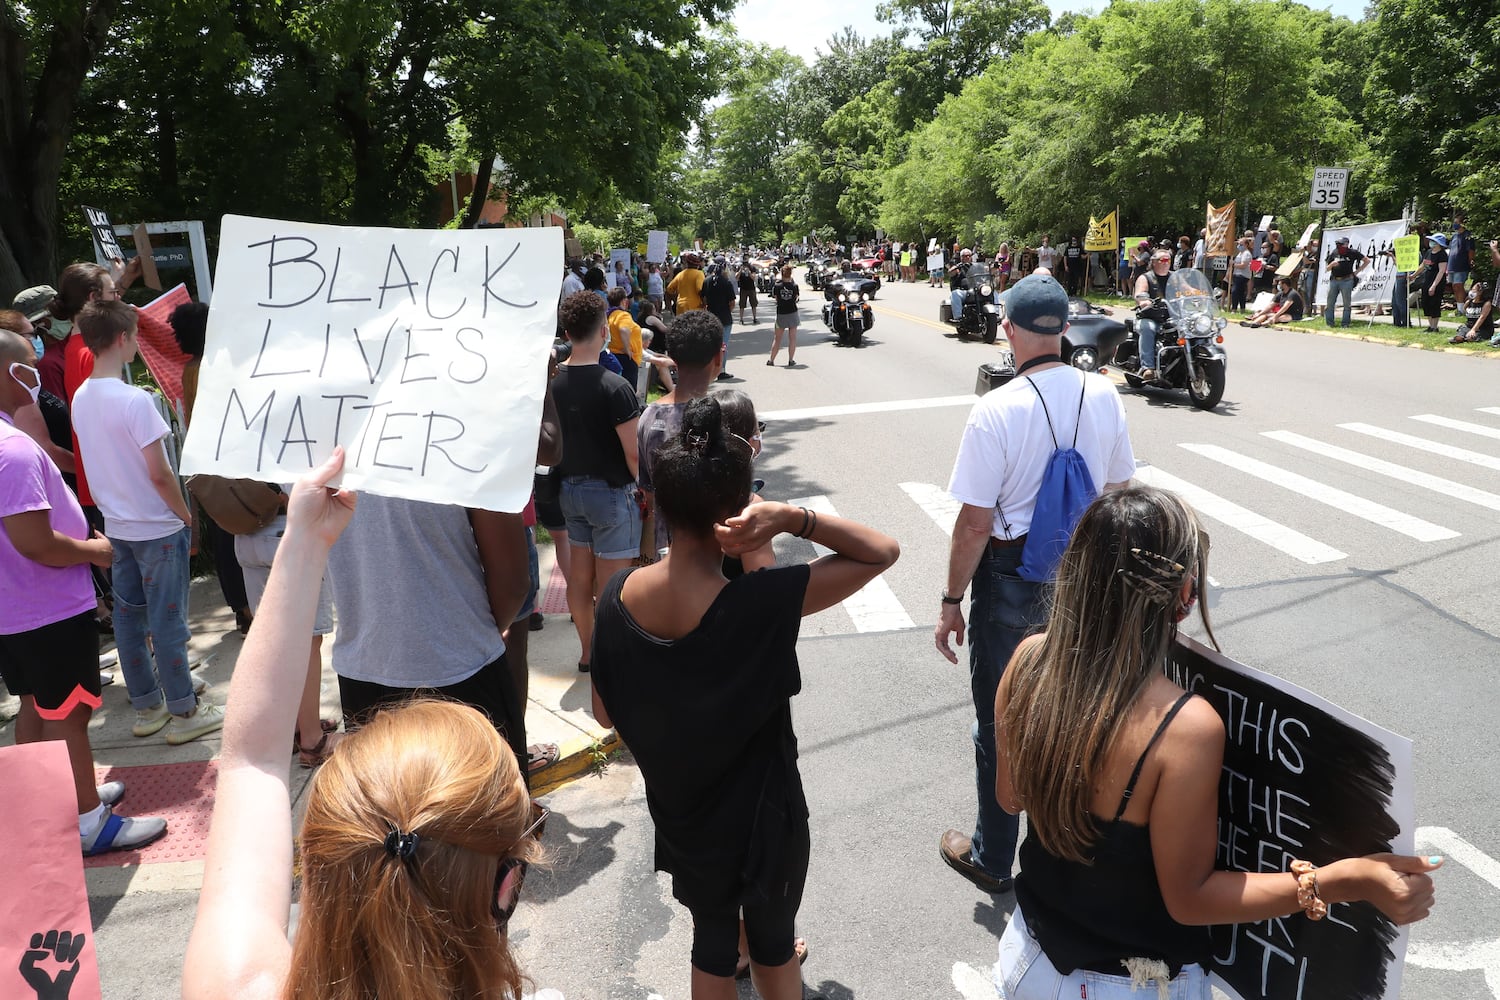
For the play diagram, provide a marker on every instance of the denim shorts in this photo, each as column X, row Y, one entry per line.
column 534, row 564
column 1025, row 973
column 602, row 517
column 1458, row 277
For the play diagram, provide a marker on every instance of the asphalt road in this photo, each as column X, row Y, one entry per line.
column 1351, row 492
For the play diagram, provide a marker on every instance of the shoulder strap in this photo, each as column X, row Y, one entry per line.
column 1082, row 392
column 1141, row 762
column 1045, row 412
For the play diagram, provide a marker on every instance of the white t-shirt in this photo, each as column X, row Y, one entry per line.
column 571, row 283
column 1006, row 443
column 114, row 422
column 1046, row 257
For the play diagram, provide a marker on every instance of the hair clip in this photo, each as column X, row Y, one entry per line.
column 402, row 845
column 1154, row 575
column 695, row 440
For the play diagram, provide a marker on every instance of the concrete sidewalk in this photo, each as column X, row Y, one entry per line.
column 142, row 902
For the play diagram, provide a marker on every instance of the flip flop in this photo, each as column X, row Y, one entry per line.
column 540, row 756
column 799, row 948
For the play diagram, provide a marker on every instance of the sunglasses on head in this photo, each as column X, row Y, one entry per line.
column 511, row 875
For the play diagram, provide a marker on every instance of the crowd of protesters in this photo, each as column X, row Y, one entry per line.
column 421, row 825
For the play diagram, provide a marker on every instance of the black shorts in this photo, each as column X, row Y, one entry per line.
column 489, row 689
column 56, row 664
column 770, row 924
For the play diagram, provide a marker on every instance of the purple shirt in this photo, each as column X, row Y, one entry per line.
column 33, row 595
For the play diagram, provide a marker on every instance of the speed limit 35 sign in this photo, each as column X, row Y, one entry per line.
column 1328, row 187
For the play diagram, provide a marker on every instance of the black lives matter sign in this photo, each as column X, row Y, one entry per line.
column 422, row 353
column 1302, row 779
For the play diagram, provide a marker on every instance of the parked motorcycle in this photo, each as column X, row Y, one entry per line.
column 980, row 315
column 849, row 315
column 1189, row 342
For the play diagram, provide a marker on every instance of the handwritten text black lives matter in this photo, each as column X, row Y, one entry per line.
column 1297, row 783
column 435, row 332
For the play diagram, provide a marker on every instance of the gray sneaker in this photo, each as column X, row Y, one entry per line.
column 206, row 718
column 148, row 721
column 122, row 833
column 199, row 684
column 111, row 792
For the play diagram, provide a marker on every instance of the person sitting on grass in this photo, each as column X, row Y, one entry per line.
column 1286, row 307
column 1479, row 316
column 417, row 836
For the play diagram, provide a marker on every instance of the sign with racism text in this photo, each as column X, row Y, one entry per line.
column 1302, row 779
column 1376, row 241
column 424, row 354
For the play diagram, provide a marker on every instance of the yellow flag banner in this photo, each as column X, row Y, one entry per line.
column 1220, row 225
column 1103, row 234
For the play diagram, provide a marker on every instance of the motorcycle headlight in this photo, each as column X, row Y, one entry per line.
column 865, row 297
column 1203, row 325
column 842, row 296
column 986, row 290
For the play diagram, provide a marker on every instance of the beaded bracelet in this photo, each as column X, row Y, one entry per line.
column 1306, row 874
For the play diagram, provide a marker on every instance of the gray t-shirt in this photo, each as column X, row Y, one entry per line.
column 409, row 588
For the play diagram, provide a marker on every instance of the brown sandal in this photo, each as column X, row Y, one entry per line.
column 318, row 753
column 326, row 725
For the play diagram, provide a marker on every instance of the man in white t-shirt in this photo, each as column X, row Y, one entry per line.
column 1046, row 254
column 1010, row 436
column 147, row 521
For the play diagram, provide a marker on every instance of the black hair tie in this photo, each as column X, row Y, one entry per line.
column 402, row 845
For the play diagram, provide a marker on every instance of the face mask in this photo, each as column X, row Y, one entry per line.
column 38, row 344
column 34, row 390
column 59, row 329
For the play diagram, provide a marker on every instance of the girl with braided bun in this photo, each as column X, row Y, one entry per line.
column 417, row 833
column 685, row 658
column 1118, row 771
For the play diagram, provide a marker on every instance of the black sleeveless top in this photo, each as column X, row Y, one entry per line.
column 1094, row 916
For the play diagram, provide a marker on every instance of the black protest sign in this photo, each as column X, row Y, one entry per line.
column 104, row 234
column 1302, row 779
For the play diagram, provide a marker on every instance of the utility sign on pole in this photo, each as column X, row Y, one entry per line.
column 1328, row 187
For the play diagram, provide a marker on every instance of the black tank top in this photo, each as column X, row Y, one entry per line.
column 1095, row 916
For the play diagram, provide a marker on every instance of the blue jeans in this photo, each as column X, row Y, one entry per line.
column 956, row 297
column 1002, row 610
column 1147, row 328
column 1337, row 287
column 151, row 595
column 1400, row 302
column 1025, row 973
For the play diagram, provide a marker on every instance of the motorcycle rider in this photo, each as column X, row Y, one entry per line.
column 1150, row 290
column 958, row 279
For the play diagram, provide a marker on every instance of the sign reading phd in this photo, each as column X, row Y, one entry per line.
column 424, row 354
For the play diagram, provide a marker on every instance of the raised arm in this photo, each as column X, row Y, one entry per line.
column 859, row 553
column 238, row 949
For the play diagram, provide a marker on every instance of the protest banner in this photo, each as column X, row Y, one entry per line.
column 423, row 353
column 104, row 234
column 1408, row 253
column 620, row 255
column 1220, row 225
column 1103, row 234
column 935, row 263
column 1377, row 242
column 46, row 935
column 572, row 247
column 158, row 346
column 1302, row 778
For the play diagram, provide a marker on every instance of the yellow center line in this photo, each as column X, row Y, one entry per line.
column 881, row 308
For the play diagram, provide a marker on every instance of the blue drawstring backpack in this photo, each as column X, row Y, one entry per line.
column 1067, row 488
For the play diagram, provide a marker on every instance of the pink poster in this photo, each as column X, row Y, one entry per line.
column 46, row 936
column 159, row 348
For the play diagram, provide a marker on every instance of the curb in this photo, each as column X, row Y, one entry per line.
column 576, row 758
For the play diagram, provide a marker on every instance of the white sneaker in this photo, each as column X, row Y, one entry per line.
column 199, row 684
column 122, row 833
column 148, row 721
column 207, row 718
column 111, row 792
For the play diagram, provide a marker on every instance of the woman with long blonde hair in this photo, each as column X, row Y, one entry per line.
column 1118, row 771
column 417, row 833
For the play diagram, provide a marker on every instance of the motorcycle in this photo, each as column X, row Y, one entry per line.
column 1093, row 336
column 764, row 279
column 849, row 315
column 1190, row 353
column 980, row 315
column 815, row 274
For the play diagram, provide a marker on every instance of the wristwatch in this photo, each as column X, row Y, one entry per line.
column 953, row 600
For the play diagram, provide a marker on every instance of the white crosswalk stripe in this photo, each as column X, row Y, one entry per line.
column 1227, row 512
column 1369, row 510
column 1425, row 444
column 937, row 502
column 1483, row 430
column 1447, row 487
column 874, row 608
